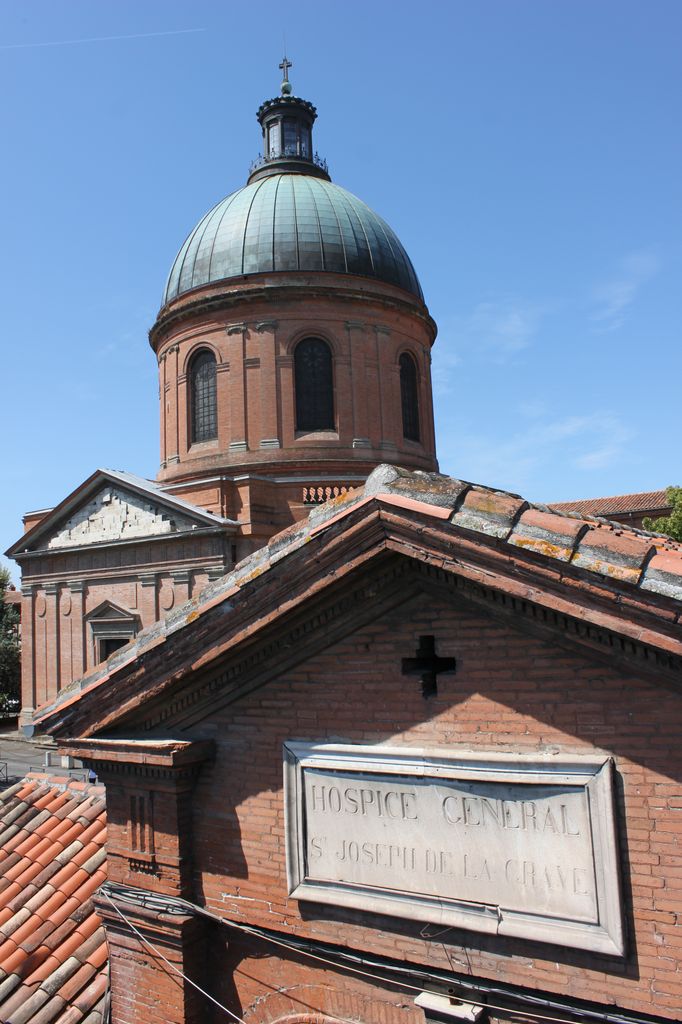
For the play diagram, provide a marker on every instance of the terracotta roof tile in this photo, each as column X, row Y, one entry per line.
column 14, row 1006
column 8, row 985
column 64, row 911
column 490, row 512
column 622, row 556
column 14, row 923
column 77, row 982
column 547, row 534
column 93, row 993
column 72, row 1015
column 49, row 1011
column 663, row 574
column 45, row 901
column 613, row 553
column 53, row 956
column 12, row 963
column 617, row 504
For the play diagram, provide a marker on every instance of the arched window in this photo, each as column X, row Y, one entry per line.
column 314, row 385
column 409, row 397
column 203, row 410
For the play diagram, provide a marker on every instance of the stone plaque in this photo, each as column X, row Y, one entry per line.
column 505, row 844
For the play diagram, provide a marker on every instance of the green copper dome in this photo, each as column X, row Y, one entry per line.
column 286, row 222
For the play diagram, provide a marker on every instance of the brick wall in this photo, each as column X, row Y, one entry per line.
column 253, row 337
column 511, row 692
column 63, row 589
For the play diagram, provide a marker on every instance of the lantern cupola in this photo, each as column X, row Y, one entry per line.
column 287, row 125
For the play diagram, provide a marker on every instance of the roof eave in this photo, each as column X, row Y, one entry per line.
column 345, row 543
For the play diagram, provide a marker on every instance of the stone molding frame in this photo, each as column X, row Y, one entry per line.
column 109, row 621
column 333, row 793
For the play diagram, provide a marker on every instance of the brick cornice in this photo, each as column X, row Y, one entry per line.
column 208, row 301
column 349, row 571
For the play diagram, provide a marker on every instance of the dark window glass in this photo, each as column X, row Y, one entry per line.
column 202, row 397
column 109, row 644
column 290, row 138
column 275, row 144
column 314, row 385
column 409, row 397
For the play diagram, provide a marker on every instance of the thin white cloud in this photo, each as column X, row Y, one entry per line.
column 614, row 298
column 494, row 330
column 445, row 362
column 534, row 409
column 99, row 39
column 502, row 328
column 589, row 442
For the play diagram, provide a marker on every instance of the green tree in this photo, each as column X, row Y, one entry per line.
column 10, row 665
column 672, row 524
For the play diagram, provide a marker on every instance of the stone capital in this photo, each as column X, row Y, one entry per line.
column 236, row 328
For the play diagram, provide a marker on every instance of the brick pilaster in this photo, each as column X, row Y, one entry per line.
column 149, row 786
column 28, row 656
column 144, row 987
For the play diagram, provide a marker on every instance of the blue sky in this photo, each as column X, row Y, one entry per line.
column 527, row 153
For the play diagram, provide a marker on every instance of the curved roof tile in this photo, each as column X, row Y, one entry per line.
column 53, row 950
column 627, row 559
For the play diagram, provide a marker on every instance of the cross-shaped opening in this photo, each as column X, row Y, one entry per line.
column 427, row 665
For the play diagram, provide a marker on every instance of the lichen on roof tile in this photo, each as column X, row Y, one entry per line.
column 490, row 512
column 430, row 488
column 580, row 542
column 547, row 533
column 618, row 554
column 662, row 575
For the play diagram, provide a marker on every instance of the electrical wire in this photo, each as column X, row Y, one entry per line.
column 404, row 984
column 158, row 953
column 175, row 905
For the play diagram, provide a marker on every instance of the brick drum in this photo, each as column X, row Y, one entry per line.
column 252, row 326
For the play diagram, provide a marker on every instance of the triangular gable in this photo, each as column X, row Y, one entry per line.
column 111, row 507
column 109, row 611
column 615, row 593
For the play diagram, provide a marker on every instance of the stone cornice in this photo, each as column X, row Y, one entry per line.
column 150, row 758
column 227, row 529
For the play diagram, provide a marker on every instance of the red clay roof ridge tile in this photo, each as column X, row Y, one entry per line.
column 586, row 542
column 616, row 504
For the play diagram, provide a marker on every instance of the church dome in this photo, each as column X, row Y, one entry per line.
column 290, row 222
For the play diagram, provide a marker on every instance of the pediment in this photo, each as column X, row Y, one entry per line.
column 109, row 611
column 112, row 507
column 114, row 514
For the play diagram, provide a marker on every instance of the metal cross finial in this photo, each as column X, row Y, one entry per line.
column 284, row 67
